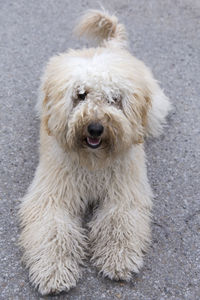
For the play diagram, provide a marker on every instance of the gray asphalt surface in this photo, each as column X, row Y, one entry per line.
column 166, row 36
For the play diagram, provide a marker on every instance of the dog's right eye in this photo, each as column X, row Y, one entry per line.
column 82, row 96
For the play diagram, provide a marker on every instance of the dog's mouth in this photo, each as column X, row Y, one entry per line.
column 93, row 142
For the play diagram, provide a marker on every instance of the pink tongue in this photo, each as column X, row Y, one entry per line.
column 93, row 141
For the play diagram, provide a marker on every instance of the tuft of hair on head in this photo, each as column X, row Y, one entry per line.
column 103, row 28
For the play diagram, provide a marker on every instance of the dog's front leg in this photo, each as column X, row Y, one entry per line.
column 119, row 237
column 120, row 228
column 52, row 237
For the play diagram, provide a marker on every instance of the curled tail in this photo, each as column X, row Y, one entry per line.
column 102, row 27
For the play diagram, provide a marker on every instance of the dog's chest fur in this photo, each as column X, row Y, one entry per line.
column 92, row 185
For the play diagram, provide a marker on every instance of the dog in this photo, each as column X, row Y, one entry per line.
column 96, row 106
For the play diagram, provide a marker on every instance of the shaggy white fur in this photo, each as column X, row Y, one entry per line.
column 96, row 106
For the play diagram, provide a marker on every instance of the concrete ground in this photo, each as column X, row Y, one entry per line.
column 166, row 36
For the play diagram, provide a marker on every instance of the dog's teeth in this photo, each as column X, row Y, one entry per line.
column 93, row 141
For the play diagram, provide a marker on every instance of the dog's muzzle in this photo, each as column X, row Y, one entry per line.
column 95, row 131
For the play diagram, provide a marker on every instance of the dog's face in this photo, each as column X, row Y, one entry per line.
column 95, row 103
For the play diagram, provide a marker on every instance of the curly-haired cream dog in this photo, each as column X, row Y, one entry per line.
column 96, row 107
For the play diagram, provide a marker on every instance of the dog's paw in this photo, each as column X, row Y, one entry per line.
column 118, row 265
column 53, row 279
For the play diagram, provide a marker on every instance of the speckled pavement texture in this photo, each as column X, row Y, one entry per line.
column 166, row 36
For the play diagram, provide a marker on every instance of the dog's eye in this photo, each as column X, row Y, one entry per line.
column 82, row 96
column 116, row 99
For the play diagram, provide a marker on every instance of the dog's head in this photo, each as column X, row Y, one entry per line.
column 95, row 103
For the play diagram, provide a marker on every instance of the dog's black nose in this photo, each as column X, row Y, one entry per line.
column 95, row 129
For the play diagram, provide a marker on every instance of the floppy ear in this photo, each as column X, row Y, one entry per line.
column 136, row 109
column 53, row 107
column 54, row 116
column 156, row 117
column 55, row 97
column 146, row 106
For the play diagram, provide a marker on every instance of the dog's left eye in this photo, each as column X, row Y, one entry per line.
column 82, row 96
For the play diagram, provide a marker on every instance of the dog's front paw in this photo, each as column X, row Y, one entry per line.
column 53, row 279
column 119, row 240
column 117, row 264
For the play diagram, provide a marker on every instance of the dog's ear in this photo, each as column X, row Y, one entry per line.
column 147, row 108
column 52, row 108
column 136, row 109
column 145, row 104
column 53, row 105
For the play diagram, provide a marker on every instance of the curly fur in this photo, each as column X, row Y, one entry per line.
column 121, row 94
